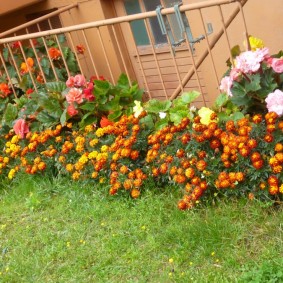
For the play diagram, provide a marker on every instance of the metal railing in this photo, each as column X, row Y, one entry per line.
column 90, row 47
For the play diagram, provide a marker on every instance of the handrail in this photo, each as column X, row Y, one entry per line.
column 128, row 18
column 35, row 21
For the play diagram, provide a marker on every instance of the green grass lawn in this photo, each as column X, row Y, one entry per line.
column 63, row 231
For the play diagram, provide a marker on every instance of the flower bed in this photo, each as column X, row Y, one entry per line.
column 104, row 134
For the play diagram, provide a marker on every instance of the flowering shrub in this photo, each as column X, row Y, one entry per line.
column 252, row 77
column 126, row 145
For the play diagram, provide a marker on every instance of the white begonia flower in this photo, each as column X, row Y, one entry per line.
column 162, row 115
column 193, row 109
column 138, row 109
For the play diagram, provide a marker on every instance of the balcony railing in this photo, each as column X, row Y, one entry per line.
column 88, row 49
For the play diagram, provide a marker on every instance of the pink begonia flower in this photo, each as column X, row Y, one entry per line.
column 76, row 81
column 80, row 80
column 226, row 85
column 70, row 82
column 277, row 65
column 274, row 102
column 21, row 128
column 249, row 61
column 88, row 95
column 71, row 110
column 235, row 74
column 74, row 95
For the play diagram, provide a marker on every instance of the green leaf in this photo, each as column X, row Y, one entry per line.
column 101, row 87
column 254, row 84
column 238, row 90
column 148, row 121
column 45, row 118
column 161, row 124
column 189, row 97
column 64, row 117
column 89, row 106
column 51, row 105
column 115, row 115
column 176, row 116
column 57, row 87
column 156, row 106
column 10, row 114
column 221, row 100
column 71, row 61
column 87, row 119
column 123, row 81
column 237, row 116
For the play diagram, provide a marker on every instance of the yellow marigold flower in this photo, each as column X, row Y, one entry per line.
column 80, row 140
column 93, row 142
column 11, row 174
column 69, row 167
column 37, row 160
column 93, row 155
column 104, row 148
column 255, row 43
column 8, row 150
column 62, row 158
column 99, row 132
column 6, row 160
column 83, row 159
column 89, row 128
column 281, row 189
column 76, row 175
column 58, row 139
column 79, row 166
column 205, row 115
column 79, row 148
column 15, row 139
column 101, row 180
column 69, row 125
column 94, row 175
column 8, row 144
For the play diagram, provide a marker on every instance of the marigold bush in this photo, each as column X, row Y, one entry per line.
column 202, row 152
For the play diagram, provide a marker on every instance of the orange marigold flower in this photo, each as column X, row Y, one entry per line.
column 278, row 147
column 182, row 205
column 268, row 138
column 240, row 176
column 4, row 90
column 279, row 157
column 273, row 180
column 104, row 122
column 257, row 118
column 273, row 190
column 258, row 164
column 135, row 193
column 54, row 53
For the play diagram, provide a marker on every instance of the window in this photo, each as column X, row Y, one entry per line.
column 138, row 27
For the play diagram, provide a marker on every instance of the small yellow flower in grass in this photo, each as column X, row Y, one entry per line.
column 171, row 260
column 213, row 254
column 102, row 224
column 82, row 242
column 68, row 244
column 217, row 260
column 170, row 274
column 3, row 226
column 101, row 180
column 191, row 263
column 143, row 227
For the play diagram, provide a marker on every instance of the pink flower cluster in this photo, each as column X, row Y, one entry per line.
column 249, row 62
column 274, row 102
column 21, row 128
column 80, row 90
